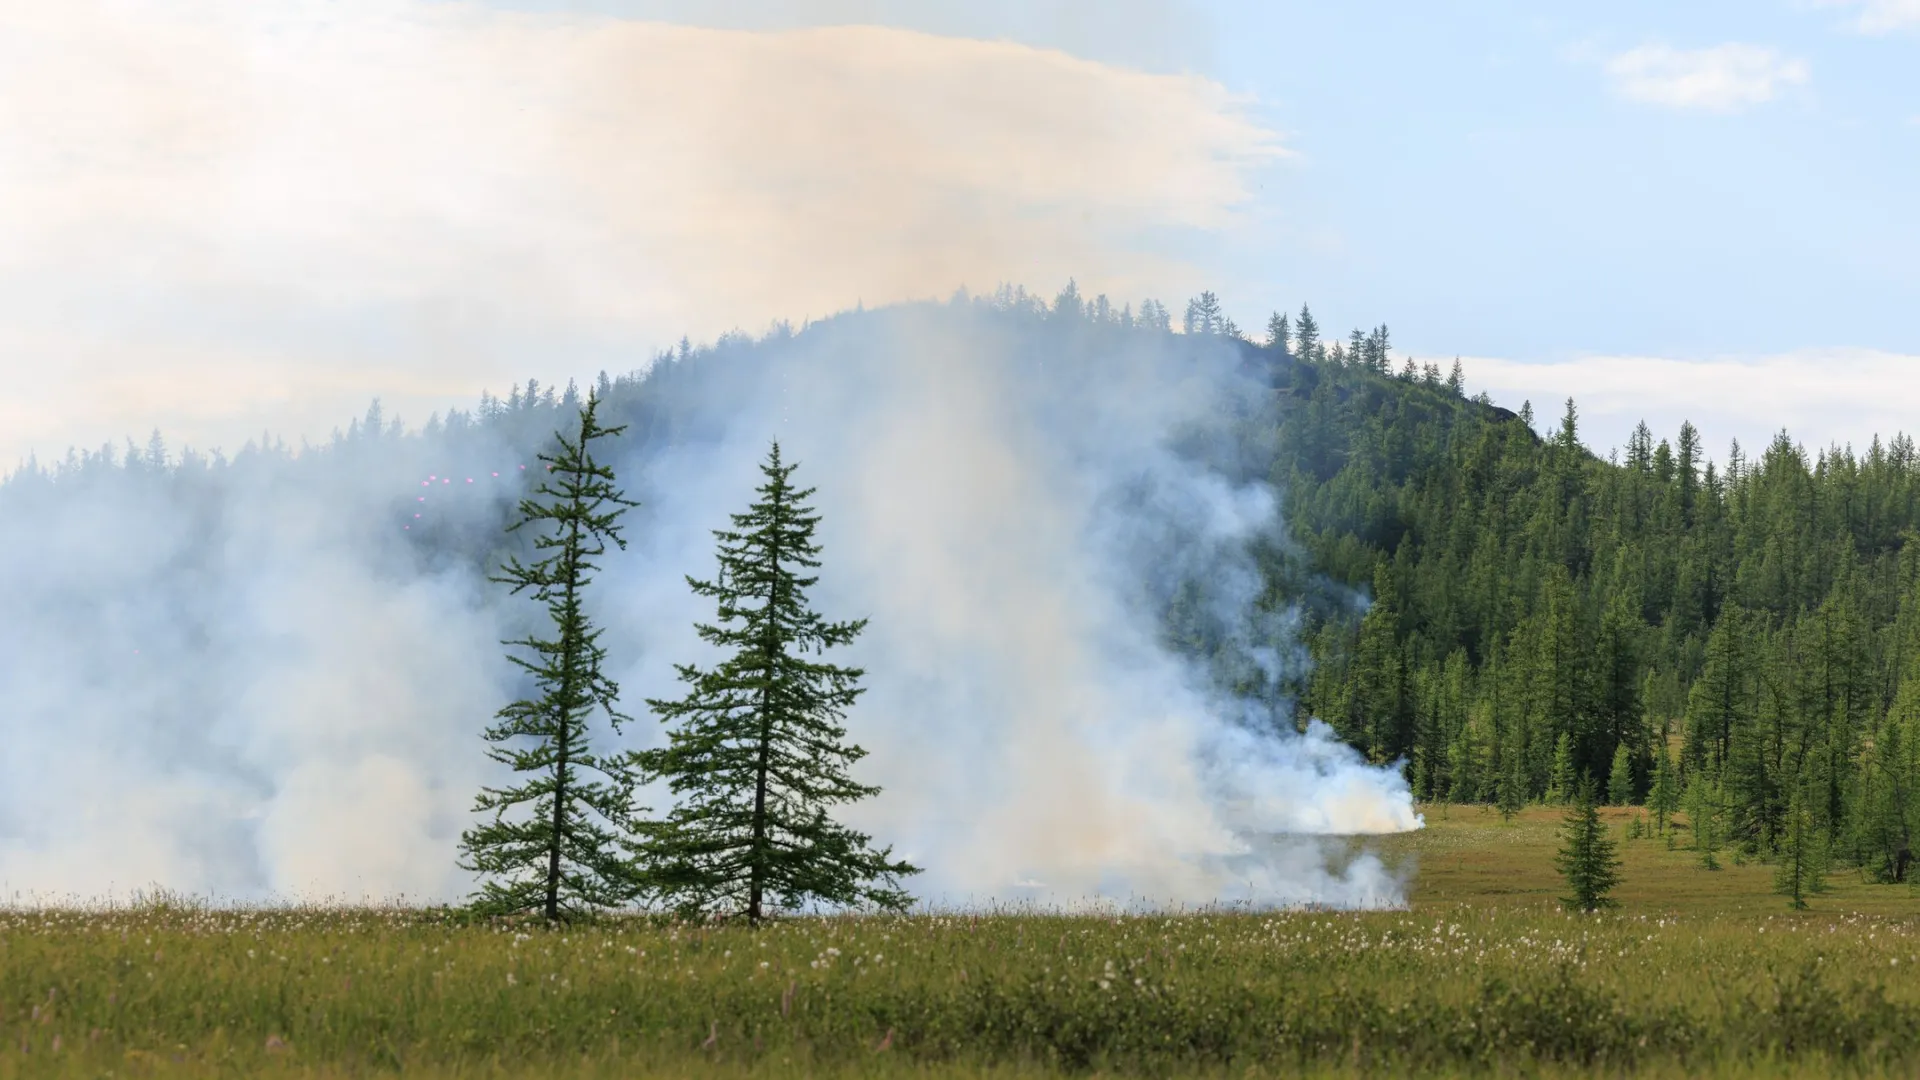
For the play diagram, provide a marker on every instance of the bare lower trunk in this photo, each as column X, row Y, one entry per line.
column 560, row 765
column 553, row 845
column 758, row 871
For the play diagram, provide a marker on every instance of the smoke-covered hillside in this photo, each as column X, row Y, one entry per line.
column 1114, row 572
column 266, row 675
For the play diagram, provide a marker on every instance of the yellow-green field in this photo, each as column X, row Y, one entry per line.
column 1698, row 973
column 1468, row 856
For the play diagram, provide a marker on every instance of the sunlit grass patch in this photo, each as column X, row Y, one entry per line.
column 1699, row 973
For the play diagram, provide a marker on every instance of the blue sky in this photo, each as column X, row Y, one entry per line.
column 244, row 216
column 1482, row 180
column 1471, row 169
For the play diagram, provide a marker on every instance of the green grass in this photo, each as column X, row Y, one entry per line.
column 1468, row 856
column 1698, row 973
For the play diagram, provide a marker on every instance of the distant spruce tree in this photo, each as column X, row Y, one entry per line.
column 1587, row 858
column 1703, row 817
column 1306, row 337
column 1511, row 794
column 1883, row 805
column 1803, row 851
column 554, row 843
column 1204, row 315
column 1620, row 778
column 1374, row 722
column 1279, row 334
column 759, row 754
column 1664, row 796
column 1562, row 781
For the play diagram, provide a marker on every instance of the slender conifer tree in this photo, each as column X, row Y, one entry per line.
column 1803, row 848
column 1306, row 336
column 1703, row 817
column 1664, row 797
column 759, row 754
column 1620, row 777
column 554, row 842
column 1560, row 787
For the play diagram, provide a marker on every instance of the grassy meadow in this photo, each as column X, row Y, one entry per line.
column 1698, row 973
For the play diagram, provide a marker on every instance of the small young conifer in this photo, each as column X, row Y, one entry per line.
column 1587, row 858
column 1703, row 817
column 1803, row 849
column 1620, row 779
column 553, row 844
column 759, row 754
column 1512, row 786
column 1664, row 797
column 1562, row 781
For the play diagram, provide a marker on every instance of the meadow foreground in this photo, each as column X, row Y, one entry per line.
column 1697, row 973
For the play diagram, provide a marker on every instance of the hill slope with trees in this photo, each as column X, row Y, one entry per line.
column 1506, row 613
column 1749, row 630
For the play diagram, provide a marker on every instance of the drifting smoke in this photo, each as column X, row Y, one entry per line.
column 1015, row 498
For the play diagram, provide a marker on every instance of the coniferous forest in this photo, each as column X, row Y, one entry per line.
column 1482, row 597
column 1741, row 634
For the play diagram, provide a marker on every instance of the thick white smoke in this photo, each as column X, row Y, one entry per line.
column 239, row 684
column 1012, row 499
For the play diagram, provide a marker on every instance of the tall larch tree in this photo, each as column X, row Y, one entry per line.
column 757, row 754
column 554, row 841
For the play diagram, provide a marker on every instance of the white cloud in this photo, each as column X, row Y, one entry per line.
column 1724, row 78
column 1821, row 397
column 1881, row 16
column 220, row 215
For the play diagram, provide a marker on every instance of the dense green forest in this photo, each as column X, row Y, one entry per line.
column 1734, row 639
column 1503, row 612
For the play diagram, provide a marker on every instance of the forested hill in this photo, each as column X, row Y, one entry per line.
column 1745, row 632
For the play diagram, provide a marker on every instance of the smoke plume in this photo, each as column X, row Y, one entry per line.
column 266, row 678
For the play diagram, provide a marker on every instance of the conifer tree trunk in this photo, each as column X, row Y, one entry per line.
column 757, row 888
column 564, row 741
column 565, row 744
column 769, row 652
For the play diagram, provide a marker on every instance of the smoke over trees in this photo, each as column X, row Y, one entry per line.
column 1061, row 517
column 1184, row 523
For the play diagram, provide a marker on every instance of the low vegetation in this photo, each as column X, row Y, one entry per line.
column 1698, row 972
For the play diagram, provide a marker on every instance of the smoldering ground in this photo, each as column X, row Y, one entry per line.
column 267, row 679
